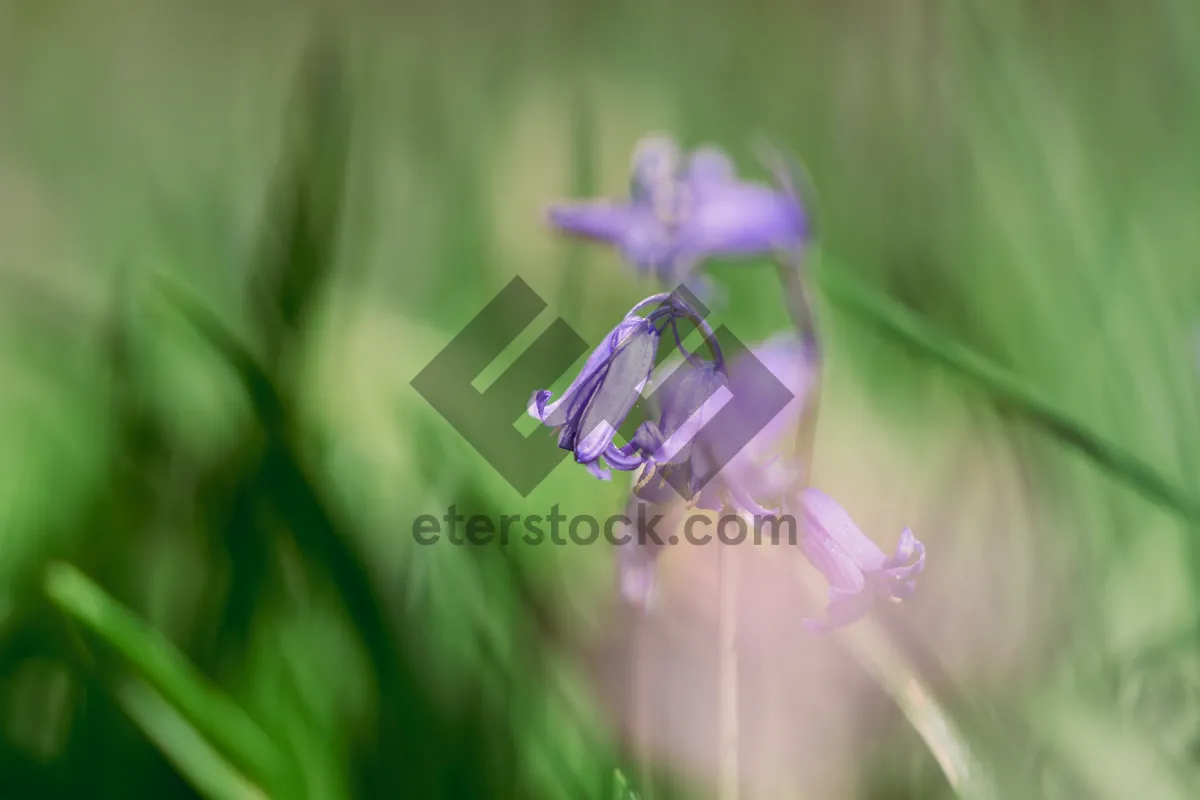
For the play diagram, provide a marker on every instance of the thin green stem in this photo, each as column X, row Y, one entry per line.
column 791, row 274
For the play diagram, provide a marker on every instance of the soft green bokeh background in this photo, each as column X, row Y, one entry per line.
column 1023, row 175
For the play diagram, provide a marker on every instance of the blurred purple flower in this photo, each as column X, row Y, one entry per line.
column 762, row 471
column 637, row 559
column 739, row 462
column 682, row 211
column 857, row 570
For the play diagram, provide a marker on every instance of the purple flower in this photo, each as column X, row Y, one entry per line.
column 682, row 211
column 757, row 474
column 593, row 407
column 675, row 462
column 671, row 464
column 741, row 460
column 736, row 463
column 857, row 570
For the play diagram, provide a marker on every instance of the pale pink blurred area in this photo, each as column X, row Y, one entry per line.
column 800, row 698
column 993, row 601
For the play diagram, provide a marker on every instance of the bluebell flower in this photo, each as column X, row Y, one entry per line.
column 593, row 407
column 756, row 475
column 675, row 462
column 857, row 570
column 684, row 210
column 668, row 456
column 742, row 461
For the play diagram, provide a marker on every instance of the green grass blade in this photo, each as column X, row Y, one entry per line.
column 1004, row 388
column 962, row 765
column 621, row 788
column 301, row 223
column 182, row 745
column 213, row 715
column 264, row 394
column 288, row 485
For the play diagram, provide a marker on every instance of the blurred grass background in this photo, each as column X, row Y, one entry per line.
column 1023, row 176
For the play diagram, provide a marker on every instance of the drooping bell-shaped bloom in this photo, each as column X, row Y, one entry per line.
column 598, row 400
column 593, row 407
column 723, row 439
column 675, row 464
column 670, row 468
column 772, row 386
column 684, row 210
column 858, row 572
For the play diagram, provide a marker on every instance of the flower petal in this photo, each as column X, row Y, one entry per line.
column 747, row 503
column 628, row 371
column 599, row 471
column 909, row 560
column 692, row 396
column 562, row 411
column 601, row 219
column 771, row 385
column 907, row 547
column 709, row 168
column 618, row 458
column 654, row 171
column 839, row 569
column 828, row 520
column 742, row 220
column 842, row 610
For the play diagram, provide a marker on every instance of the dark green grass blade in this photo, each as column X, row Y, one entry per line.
column 1005, row 389
column 242, row 746
column 302, row 221
column 405, row 716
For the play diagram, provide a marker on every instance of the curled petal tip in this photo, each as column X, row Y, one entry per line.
column 537, row 404
column 593, row 445
column 910, row 554
column 599, row 471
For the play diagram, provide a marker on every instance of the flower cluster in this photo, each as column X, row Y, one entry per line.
column 683, row 209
